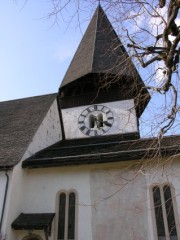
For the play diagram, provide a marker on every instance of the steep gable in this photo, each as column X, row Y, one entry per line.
column 19, row 120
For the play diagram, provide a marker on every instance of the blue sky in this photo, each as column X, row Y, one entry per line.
column 34, row 52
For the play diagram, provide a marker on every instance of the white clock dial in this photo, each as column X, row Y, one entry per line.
column 95, row 120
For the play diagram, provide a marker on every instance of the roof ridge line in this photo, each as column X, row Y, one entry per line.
column 95, row 36
column 28, row 97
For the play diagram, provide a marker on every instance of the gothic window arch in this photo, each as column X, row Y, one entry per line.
column 67, row 211
column 164, row 212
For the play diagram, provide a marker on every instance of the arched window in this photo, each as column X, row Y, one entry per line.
column 66, row 219
column 164, row 213
column 32, row 237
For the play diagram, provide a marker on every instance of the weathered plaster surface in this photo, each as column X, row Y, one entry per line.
column 48, row 132
column 41, row 195
column 166, row 172
column 125, row 120
column 120, row 201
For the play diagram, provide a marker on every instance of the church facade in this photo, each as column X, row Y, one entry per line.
column 73, row 165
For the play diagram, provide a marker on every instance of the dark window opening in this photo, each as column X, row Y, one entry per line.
column 96, row 121
column 71, row 216
column 164, row 213
column 62, row 210
column 91, row 121
column 170, row 212
column 158, row 212
column 100, row 118
column 66, row 221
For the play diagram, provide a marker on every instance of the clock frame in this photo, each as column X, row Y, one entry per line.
column 95, row 120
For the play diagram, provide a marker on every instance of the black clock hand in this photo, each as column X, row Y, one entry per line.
column 107, row 124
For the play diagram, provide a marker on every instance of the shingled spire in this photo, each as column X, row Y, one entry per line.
column 100, row 51
column 101, row 59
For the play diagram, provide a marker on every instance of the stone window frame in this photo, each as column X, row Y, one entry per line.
column 175, row 208
column 67, row 193
column 32, row 236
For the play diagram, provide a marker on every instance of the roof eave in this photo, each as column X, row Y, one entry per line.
column 111, row 157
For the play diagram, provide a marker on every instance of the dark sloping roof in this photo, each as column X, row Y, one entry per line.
column 100, row 150
column 29, row 221
column 100, row 51
column 19, row 120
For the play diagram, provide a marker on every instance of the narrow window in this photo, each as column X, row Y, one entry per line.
column 71, row 216
column 164, row 213
column 66, row 221
column 62, row 210
column 170, row 212
column 158, row 212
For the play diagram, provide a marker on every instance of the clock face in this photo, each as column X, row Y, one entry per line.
column 95, row 120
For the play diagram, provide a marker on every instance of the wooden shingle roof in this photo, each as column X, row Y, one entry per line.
column 19, row 120
column 113, row 148
column 100, row 51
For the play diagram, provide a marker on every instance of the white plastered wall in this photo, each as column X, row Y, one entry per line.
column 43, row 186
column 163, row 172
column 113, row 198
column 48, row 133
column 40, row 187
column 119, row 196
column 122, row 197
column 125, row 120
column 96, row 207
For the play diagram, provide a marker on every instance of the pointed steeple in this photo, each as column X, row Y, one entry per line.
column 100, row 51
column 101, row 62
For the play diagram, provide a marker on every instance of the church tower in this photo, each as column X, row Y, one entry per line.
column 100, row 93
